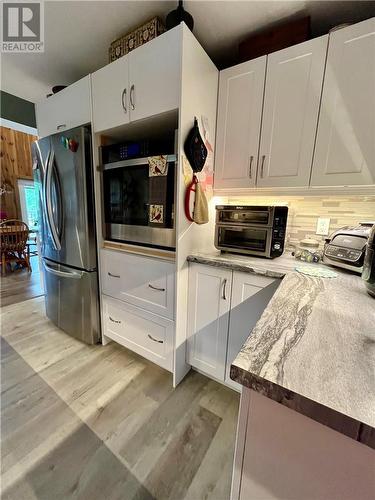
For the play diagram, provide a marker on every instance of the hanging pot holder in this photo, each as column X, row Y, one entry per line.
column 195, row 149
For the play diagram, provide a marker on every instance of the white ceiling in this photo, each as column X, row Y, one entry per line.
column 78, row 33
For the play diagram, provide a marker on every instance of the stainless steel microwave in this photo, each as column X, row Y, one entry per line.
column 251, row 230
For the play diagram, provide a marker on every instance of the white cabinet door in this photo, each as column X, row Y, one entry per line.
column 345, row 145
column 110, row 95
column 67, row 109
column 250, row 296
column 290, row 115
column 208, row 315
column 154, row 81
column 238, row 124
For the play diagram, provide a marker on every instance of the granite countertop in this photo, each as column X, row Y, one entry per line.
column 313, row 349
column 273, row 268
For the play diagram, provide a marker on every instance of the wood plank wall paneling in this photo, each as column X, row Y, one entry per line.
column 16, row 163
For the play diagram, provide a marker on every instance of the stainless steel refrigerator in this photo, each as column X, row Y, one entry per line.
column 64, row 177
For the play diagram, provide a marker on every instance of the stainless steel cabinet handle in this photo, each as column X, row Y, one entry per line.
column 224, row 289
column 155, row 340
column 123, row 100
column 114, row 320
column 114, row 275
column 59, row 127
column 250, row 166
column 262, row 166
column 132, row 104
column 156, row 288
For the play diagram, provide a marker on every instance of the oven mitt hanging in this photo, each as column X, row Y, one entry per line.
column 200, row 212
column 195, row 149
column 200, row 206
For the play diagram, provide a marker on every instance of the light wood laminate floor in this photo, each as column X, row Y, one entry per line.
column 94, row 422
column 20, row 285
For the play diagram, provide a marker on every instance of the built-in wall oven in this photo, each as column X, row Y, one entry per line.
column 139, row 201
column 251, row 230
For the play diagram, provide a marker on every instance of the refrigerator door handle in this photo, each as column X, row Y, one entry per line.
column 48, row 187
column 63, row 274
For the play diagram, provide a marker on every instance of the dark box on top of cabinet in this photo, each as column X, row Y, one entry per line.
column 135, row 38
column 277, row 38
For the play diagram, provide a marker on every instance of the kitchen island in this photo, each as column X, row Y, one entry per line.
column 306, row 426
column 313, row 351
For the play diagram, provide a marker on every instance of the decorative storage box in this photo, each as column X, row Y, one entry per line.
column 136, row 38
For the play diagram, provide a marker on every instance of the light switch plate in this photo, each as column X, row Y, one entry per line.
column 322, row 226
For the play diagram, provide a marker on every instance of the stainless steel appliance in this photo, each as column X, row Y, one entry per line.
column 251, row 230
column 346, row 247
column 368, row 273
column 63, row 174
column 128, row 199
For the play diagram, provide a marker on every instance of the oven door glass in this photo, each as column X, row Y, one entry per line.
column 126, row 195
column 244, row 216
column 243, row 238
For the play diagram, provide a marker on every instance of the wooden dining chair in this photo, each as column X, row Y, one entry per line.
column 13, row 243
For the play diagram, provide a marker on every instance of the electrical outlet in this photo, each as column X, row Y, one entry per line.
column 322, row 226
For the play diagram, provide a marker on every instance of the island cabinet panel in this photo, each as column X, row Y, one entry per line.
column 281, row 454
column 238, row 124
column 345, row 147
column 290, row 114
column 69, row 108
column 110, row 95
column 250, row 296
column 208, row 318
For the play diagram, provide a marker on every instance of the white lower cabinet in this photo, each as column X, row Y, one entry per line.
column 145, row 333
column 142, row 281
column 208, row 318
column 223, row 308
column 250, row 296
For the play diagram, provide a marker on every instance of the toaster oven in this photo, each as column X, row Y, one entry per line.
column 251, row 230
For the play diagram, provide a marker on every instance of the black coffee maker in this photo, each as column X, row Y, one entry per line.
column 368, row 274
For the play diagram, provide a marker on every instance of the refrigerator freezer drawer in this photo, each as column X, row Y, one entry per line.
column 72, row 301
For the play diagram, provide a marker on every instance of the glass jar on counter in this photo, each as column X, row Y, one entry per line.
column 308, row 251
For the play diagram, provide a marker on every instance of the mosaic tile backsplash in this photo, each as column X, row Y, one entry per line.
column 304, row 212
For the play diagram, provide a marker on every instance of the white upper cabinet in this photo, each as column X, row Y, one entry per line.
column 110, row 95
column 67, row 109
column 145, row 82
column 208, row 318
column 155, row 75
column 238, row 124
column 345, row 145
column 290, row 115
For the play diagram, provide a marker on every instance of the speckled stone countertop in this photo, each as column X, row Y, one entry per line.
column 274, row 268
column 313, row 349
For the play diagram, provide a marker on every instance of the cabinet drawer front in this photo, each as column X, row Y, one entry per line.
column 146, row 334
column 144, row 282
